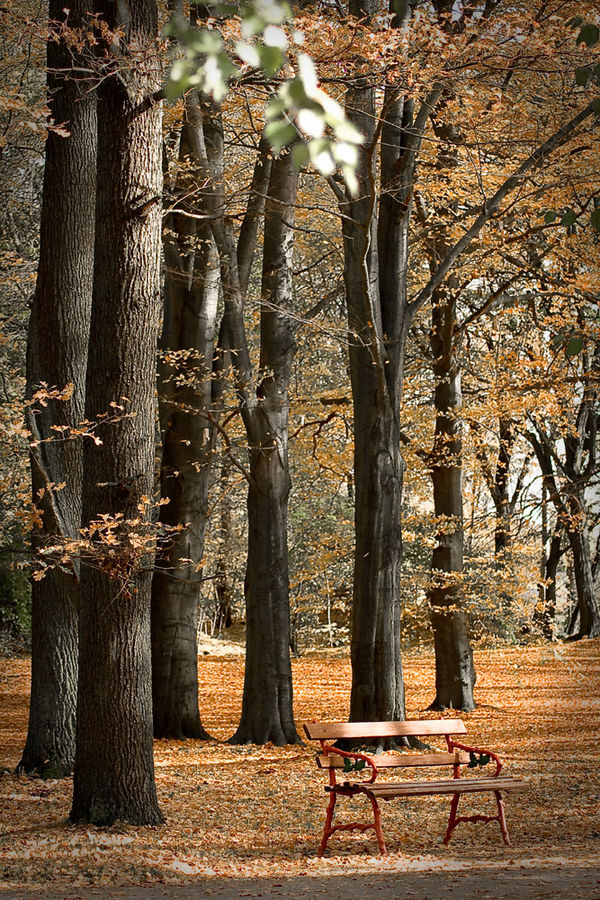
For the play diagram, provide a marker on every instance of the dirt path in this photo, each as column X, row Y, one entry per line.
column 565, row 881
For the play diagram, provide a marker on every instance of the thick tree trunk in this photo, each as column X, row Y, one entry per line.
column 185, row 393
column 455, row 672
column 114, row 769
column 57, row 356
column 377, row 680
column 267, row 708
column 375, row 281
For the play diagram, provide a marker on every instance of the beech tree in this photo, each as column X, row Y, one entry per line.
column 267, row 708
column 114, row 772
column 566, row 477
column 61, row 308
column 186, row 388
column 377, row 250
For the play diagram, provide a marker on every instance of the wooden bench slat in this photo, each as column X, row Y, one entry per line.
column 448, row 786
column 398, row 760
column 319, row 731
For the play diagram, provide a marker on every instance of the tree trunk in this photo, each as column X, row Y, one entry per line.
column 455, row 673
column 545, row 612
column 223, row 585
column 114, row 769
column 569, row 500
column 585, row 621
column 185, row 395
column 377, row 678
column 500, row 495
column 267, row 708
column 375, row 255
column 57, row 356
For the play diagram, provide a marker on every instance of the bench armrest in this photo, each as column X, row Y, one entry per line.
column 329, row 749
column 452, row 744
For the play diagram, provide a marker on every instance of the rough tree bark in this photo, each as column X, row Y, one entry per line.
column 454, row 669
column 267, row 708
column 114, row 769
column 185, row 394
column 375, row 272
column 57, row 356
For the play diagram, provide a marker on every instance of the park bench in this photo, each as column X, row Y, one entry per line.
column 457, row 755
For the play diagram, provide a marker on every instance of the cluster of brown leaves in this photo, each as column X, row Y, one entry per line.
column 254, row 811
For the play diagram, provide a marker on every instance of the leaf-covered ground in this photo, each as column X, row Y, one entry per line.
column 258, row 811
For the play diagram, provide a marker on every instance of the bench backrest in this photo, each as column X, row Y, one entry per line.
column 399, row 760
column 334, row 731
column 328, row 732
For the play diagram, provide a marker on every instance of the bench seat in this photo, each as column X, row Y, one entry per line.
column 445, row 786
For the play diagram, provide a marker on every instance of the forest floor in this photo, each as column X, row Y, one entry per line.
column 246, row 821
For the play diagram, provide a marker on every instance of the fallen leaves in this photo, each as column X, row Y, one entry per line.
column 259, row 811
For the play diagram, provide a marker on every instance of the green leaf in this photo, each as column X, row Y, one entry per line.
column 595, row 104
column 569, row 218
column 347, row 765
column 299, row 156
column 295, row 93
column 251, row 25
column 359, row 764
column 279, row 134
column 484, row 759
column 582, row 75
column 549, row 217
column 229, row 9
column 574, row 346
column 346, row 154
column 595, row 219
column 307, row 73
column 347, row 132
column 589, row 34
column 271, row 59
column 350, row 178
column 276, row 108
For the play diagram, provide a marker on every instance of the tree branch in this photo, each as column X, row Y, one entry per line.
column 536, row 158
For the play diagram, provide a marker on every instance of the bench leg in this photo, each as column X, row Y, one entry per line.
column 377, row 819
column 452, row 817
column 502, row 818
column 328, row 820
column 330, row 829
